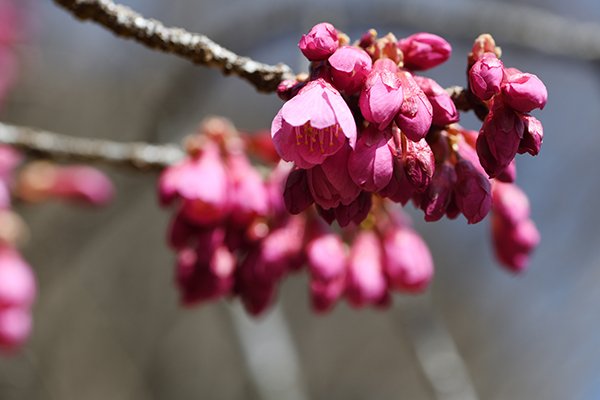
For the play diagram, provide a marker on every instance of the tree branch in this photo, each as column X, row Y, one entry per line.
column 197, row 48
column 61, row 147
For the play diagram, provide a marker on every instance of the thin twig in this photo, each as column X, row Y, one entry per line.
column 55, row 146
column 125, row 22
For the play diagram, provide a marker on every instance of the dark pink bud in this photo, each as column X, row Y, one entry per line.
column 508, row 174
column 296, row 195
column 248, row 197
column 444, row 110
column 355, row 212
column 524, row 92
column 510, row 202
column 489, row 163
column 330, row 184
column 503, row 131
column 436, row 199
column 424, row 51
column 256, row 293
column 472, row 192
column 399, row 190
column 313, row 125
column 485, row 76
column 350, row 67
column 408, row 263
column 366, row 282
column 324, row 294
column 419, row 164
column 320, row 42
column 15, row 327
column 289, row 88
column 327, row 257
column 533, row 136
column 416, row 112
column 182, row 233
column 17, row 283
column 370, row 164
column 514, row 243
column 382, row 96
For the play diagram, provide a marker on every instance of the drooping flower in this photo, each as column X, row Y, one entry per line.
column 366, row 283
column 350, row 67
column 438, row 195
column 472, row 192
column 424, row 51
column 297, row 195
column 371, row 165
column 313, row 125
column 320, row 42
column 327, row 263
column 533, row 136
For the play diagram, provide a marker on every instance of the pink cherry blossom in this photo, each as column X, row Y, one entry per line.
column 424, row 51
column 419, row 164
column 355, row 212
column 485, row 76
column 313, row 125
column 533, row 136
column 370, row 165
column 247, row 194
column 524, row 92
column 320, row 42
column 15, row 327
column 297, row 195
column 436, row 199
column 416, row 112
column 382, row 95
column 472, row 192
column 503, row 131
column 444, row 110
column 350, row 67
column 366, row 282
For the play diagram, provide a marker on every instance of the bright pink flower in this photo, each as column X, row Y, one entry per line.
column 416, row 113
column 472, row 192
column 370, row 165
column 15, row 327
column 510, row 202
column 366, row 283
column 436, row 199
column 313, row 125
column 485, row 76
column 503, row 131
column 489, row 163
column 408, row 263
column 324, row 294
column 281, row 250
column 297, row 195
column 350, row 67
column 320, row 42
column 399, row 190
column 382, row 96
column 327, row 257
column 524, row 92
column 444, row 110
column 248, row 194
column 201, row 182
column 533, row 136
column 424, row 51
column 514, row 243
column 82, row 183
column 330, row 183
column 419, row 164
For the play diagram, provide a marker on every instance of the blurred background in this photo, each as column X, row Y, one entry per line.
column 107, row 322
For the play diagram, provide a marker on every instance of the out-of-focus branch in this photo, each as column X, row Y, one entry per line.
column 125, row 22
column 55, row 146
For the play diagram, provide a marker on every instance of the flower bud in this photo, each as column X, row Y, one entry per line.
column 524, row 92
column 408, row 263
column 355, row 212
column 472, row 192
column 382, row 96
column 324, row 294
column 485, row 76
column 15, row 327
column 510, row 202
column 17, row 283
column 350, row 67
column 533, row 136
column 296, row 195
column 419, row 164
column 436, row 198
column 247, row 194
column 327, row 257
column 514, row 244
column 366, row 282
column 424, row 51
column 503, row 130
column 416, row 112
column 444, row 110
column 370, row 164
column 320, row 42
column 508, row 174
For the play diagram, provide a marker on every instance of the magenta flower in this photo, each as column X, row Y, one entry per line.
column 81, row 183
column 202, row 184
column 355, row 212
column 320, row 42
column 503, row 131
column 15, row 327
column 248, row 197
column 510, row 202
column 508, row 174
column 382, row 95
column 533, row 136
column 366, row 283
column 350, row 67
column 437, row 197
column 327, row 260
column 524, row 92
column 297, row 195
column 444, row 110
column 330, row 183
column 514, row 243
column 370, row 165
column 416, row 112
column 472, row 192
column 419, row 164
column 424, row 51
column 485, row 76
column 408, row 264
column 313, row 125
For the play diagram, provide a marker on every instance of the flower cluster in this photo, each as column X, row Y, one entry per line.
column 234, row 237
